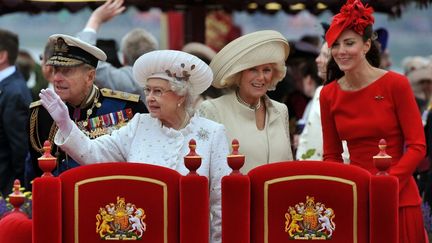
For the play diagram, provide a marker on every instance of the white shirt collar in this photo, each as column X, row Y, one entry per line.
column 7, row 72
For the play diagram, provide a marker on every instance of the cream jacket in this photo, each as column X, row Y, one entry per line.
column 272, row 144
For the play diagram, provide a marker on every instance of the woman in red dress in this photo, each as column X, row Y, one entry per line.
column 362, row 104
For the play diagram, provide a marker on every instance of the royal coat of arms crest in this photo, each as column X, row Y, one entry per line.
column 120, row 221
column 309, row 221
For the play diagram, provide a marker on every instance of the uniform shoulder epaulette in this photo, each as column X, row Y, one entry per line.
column 119, row 95
column 35, row 103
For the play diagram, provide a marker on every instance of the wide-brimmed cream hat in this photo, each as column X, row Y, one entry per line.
column 70, row 51
column 257, row 48
column 176, row 66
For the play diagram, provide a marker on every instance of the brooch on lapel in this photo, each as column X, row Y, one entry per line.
column 203, row 134
column 379, row 97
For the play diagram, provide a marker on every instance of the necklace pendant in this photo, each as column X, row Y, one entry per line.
column 98, row 105
column 250, row 106
column 85, row 123
column 89, row 112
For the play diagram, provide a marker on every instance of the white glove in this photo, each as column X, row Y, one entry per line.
column 57, row 109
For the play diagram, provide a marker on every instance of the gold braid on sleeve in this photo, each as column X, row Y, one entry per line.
column 34, row 132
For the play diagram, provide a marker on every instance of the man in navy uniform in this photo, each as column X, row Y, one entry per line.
column 95, row 111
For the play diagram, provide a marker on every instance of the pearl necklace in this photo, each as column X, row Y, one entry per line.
column 252, row 107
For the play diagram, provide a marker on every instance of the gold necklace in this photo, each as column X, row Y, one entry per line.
column 253, row 107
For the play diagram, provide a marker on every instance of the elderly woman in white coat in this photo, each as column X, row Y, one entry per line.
column 250, row 66
column 171, row 80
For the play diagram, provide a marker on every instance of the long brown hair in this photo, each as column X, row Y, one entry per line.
column 372, row 56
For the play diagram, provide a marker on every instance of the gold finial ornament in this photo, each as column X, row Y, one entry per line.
column 192, row 160
column 382, row 160
column 16, row 198
column 235, row 159
column 47, row 162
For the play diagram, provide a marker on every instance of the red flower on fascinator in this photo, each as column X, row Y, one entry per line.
column 353, row 15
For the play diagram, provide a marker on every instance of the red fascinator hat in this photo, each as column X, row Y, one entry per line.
column 353, row 15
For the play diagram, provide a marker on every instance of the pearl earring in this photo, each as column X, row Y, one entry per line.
column 179, row 104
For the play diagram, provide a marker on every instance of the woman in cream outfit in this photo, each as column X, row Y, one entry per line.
column 171, row 80
column 250, row 66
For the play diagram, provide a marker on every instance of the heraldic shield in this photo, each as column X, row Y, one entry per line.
column 120, row 221
column 301, row 201
column 121, row 201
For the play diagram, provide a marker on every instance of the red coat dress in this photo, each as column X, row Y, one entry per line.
column 384, row 109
